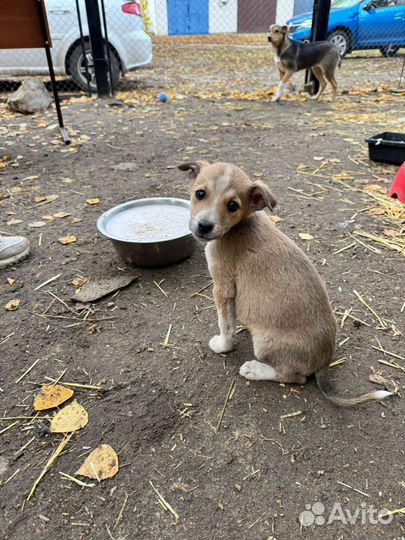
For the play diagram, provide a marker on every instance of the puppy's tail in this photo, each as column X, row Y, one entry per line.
column 328, row 391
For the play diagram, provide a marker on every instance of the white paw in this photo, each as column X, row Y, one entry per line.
column 276, row 99
column 257, row 371
column 219, row 344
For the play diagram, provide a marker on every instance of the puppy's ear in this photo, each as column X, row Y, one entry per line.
column 193, row 167
column 260, row 196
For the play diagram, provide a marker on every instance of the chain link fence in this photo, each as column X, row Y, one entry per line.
column 209, row 35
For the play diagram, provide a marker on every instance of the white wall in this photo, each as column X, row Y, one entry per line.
column 285, row 10
column 158, row 17
column 223, row 16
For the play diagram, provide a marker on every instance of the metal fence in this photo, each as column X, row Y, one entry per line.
column 134, row 30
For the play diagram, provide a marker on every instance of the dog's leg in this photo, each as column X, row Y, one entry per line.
column 258, row 371
column 280, row 90
column 226, row 321
column 329, row 74
column 318, row 72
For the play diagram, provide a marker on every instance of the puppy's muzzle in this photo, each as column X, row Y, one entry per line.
column 269, row 39
column 204, row 227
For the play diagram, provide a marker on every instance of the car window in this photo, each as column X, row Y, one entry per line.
column 377, row 4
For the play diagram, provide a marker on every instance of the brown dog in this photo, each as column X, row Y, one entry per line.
column 264, row 280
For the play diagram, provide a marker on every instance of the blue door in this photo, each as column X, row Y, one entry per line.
column 187, row 17
column 382, row 24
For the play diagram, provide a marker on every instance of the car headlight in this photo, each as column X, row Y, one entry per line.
column 305, row 24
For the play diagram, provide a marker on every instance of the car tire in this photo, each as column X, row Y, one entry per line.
column 77, row 68
column 341, row 39
column 388, row 51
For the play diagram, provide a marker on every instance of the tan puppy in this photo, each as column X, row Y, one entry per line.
column 264, row 280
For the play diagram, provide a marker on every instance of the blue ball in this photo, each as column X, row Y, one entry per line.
column 163, row 97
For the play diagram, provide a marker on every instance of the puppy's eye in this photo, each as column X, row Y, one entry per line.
column 232, row 206
column 200, row 194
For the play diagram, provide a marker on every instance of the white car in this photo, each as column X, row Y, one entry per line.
column 130, row 46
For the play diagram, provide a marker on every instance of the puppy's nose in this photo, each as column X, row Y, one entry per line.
column 204, row 227
column 269, row 39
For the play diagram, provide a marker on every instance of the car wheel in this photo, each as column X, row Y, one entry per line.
column 85, row 78
column 341, row 40
column 389, row 50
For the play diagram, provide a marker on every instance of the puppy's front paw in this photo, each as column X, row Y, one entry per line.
column 276, row 99
column 249, row 370
column 257, row 371
column 219, row 344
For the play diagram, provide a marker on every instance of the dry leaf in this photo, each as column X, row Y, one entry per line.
column 305, row 236
column 80, row 281
column 13, row 305
column 14, row 221
column 70, row 418
column 67, row 239
column 276, row 219
column 51, row 396
column 47, row 217
column 391, row 232
column 61, row 214
column 100, row 464
column 10, row 281
column 376, row 211
column 378, row 378
column 47, row 199
column 96, row 200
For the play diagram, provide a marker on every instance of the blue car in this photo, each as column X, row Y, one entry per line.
column 354, row 24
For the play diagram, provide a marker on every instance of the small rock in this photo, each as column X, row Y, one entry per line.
column 3, row 466
column 125, row 166
column 31, row 97
column 94, row 290
column 36, row 224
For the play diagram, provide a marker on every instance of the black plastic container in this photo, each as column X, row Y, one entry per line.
column 387, row 147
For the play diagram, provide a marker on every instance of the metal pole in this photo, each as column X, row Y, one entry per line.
column 86, row 64
column 97, row 48
column 42, row 21
column 107, row 46
column 319, row 32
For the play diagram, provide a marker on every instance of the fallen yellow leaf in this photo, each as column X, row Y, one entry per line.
column 275, row 219
column 13, row 304
column 70, row 418
column 67, row 239
column 100, row 464
column 51, row 396
column 14, row 221
column 79, row 281
column 10, row 281
column 305, row 236
column 96, row 200
column 61, row 214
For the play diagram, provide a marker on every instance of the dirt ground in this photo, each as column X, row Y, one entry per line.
column 159, row 402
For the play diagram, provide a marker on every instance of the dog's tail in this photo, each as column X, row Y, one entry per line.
column 328, row 391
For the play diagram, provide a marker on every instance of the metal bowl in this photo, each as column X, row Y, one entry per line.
column 149, row 232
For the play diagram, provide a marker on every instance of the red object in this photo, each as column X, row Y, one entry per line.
column 397, row 189
column 132, row 8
